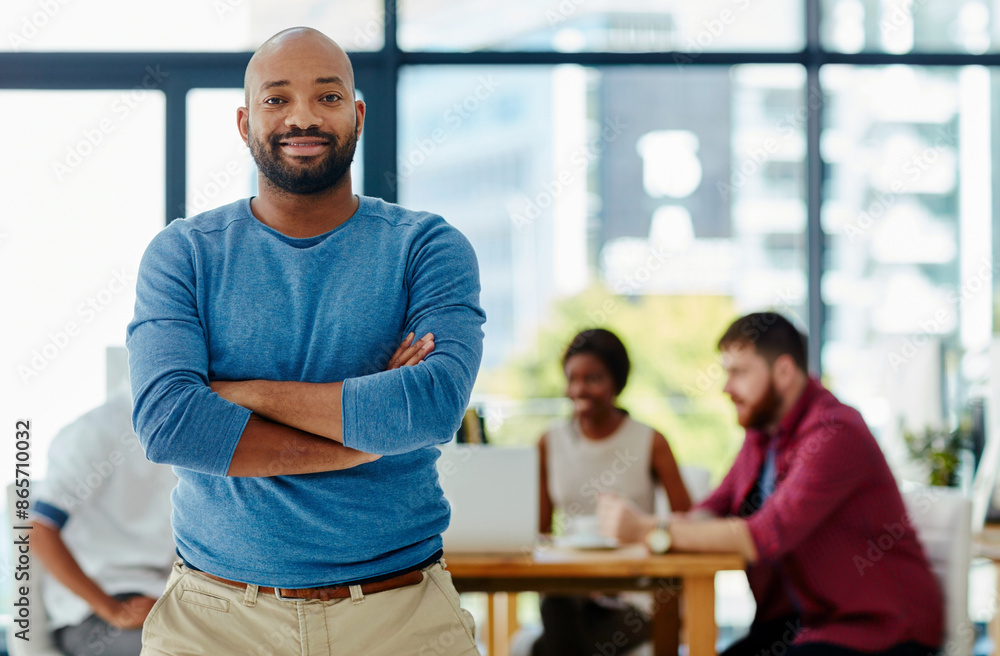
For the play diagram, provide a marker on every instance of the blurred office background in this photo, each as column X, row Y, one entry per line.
column 654, row 166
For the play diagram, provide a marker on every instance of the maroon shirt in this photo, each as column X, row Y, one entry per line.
column 834, row 542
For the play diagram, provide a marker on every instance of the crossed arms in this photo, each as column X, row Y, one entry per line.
column 186, row 417
column 300, row 427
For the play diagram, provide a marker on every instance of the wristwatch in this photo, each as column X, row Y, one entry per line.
column 658, row 540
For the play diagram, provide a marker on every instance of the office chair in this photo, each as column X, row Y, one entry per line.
column 942, row 518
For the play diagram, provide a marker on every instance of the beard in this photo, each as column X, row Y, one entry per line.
column 311, row 177
column 763, row 412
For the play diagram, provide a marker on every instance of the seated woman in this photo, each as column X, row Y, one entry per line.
column 600, row 449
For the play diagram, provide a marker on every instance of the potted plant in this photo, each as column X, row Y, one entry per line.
column 940, row 450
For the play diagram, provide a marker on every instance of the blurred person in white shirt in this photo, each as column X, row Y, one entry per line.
column 102, row 532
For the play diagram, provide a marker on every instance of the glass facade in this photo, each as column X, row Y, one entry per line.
column 602, row 25
column 181, row 25
column 903, row 26
column 605, row 187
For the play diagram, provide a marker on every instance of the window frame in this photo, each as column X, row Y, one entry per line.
column 377, row 75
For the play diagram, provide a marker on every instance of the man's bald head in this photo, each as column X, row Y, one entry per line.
column 293, row 43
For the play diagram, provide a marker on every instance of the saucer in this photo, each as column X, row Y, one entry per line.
column 584, row 541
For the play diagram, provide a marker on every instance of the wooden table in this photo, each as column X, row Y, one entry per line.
column 667, row 577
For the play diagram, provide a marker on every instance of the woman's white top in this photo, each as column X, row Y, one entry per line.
column 580, row 468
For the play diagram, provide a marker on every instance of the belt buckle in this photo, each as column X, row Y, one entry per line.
column 277, row 593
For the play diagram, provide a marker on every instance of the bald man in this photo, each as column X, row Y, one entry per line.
column 296, row 357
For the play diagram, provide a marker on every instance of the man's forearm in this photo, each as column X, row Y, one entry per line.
column 713, row 535
column 58, row 561
column 698, row 514
column 310, row 407
column 272, row 449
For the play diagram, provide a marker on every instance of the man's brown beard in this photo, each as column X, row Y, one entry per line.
column 762, row 413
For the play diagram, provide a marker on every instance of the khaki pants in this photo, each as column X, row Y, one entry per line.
column 199, row 616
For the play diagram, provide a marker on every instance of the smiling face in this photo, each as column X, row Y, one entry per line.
column 301, row 122
column 589, row 385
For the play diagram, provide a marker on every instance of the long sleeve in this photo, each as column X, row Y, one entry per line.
column 837, row 459
column 178, row 419
column 222, row 296
column 406, row 409
column 720, row 501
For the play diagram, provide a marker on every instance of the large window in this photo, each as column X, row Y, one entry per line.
column 602, row 25
column 656, row 166
column 605, row 200
column 904, row 26
column 907, row 215
column 82, row 182
column 180, row 25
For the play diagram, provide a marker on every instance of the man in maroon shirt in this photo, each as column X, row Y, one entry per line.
column 809, row 495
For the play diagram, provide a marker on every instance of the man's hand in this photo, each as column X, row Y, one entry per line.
column 128, row 614
column 409, row 354
column 621, row 519
column 696, row 531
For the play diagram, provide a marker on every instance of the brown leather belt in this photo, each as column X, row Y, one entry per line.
column 332, row 591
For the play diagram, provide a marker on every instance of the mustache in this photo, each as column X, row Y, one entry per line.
column 311, row 132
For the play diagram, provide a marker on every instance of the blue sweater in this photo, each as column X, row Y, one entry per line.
column 221, row 296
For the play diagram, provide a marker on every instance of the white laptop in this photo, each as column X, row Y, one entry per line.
column 493, row 492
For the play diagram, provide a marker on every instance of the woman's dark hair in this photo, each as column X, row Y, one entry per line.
column 606, row 346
